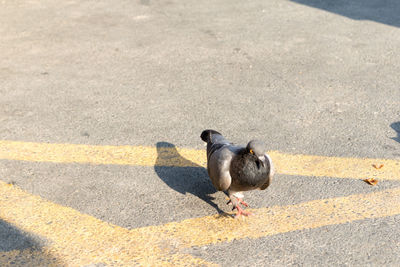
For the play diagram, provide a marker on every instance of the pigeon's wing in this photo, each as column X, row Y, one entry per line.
column 218, row 167
column 271, row 172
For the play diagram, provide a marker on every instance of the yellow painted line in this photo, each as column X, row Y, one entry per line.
column 358, row 168
column 119, row 155
column 77, row 239
column 304, row 165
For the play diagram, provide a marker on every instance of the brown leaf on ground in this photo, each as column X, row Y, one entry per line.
column 11, row 183
column 377, row 166
column 371, row 181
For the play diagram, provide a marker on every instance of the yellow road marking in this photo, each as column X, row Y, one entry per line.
column 304, row 165
column 358, row 168
column 78, row 239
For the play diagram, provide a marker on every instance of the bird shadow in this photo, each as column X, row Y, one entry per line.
column 23, row 249
column 183, row 175
column 385, row 12
column 396, row 126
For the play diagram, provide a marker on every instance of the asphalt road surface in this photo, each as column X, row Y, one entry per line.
column 101, row 108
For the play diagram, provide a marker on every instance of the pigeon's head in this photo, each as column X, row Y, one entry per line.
column 256, row 148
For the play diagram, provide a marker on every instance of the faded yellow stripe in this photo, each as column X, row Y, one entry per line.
column 118, row 155
column 305, row 165
column 78, row 239
column 282, row 219
column 359, row 168
column 68, row 153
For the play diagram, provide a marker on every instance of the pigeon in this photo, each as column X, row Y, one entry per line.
column 236, row 169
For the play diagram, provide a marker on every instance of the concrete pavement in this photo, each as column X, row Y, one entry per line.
column 310, row 78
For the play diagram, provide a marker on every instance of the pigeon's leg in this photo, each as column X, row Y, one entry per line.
column 241, row 211
column 240, row 196
column 241, row 201
column 236, row 201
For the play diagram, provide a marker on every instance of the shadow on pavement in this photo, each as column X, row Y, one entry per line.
column 193, row 179
column 18, row 248
column 396, row 126
column 382, row 11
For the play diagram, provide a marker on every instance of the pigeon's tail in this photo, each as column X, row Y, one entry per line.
column 206, row 135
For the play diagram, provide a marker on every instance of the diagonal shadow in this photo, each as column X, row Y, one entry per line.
column 22, row 249
column 396, row 126
column 183, row 179
column 382, row 11
column 14, row 239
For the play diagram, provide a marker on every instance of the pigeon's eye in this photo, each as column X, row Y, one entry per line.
column 251, row 151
